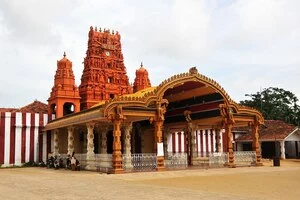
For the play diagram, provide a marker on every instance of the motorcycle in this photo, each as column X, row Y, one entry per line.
column 68, row 162
column 58, row 162
column 50, row 162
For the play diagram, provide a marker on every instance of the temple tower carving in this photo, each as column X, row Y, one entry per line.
column 64, row 98
column 141, row 80
column 104, row 75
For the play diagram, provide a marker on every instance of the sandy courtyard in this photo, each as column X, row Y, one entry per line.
column 265, row 182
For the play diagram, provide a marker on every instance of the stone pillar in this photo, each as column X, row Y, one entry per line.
column 70, row 140
column 127, row 146
column 218, row 140
column 56, row 140
column 103, row 149
column 191, row 148
column 255, row 143
column 282, row 149
column 166, row 133
column 90, row 155
column 158, row 139
column 193, row 143
column 228, row 129
column 117, row 154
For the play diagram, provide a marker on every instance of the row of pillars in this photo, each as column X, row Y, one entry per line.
column 117, row 154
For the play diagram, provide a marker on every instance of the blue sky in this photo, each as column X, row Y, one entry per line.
column 243, row 45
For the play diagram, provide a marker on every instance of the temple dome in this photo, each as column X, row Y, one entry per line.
column 141, row 70
column 141, row 80
column 64, row 60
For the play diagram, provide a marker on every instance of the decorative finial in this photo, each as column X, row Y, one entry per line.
column 193, row 70
column 65, row 54
column 100, row 29
column 141, row 64
column 96, row 28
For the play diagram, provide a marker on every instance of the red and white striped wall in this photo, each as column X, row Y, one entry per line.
column 20, row 137
column 205, row 141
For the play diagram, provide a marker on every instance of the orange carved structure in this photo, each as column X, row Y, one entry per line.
column 141, row 80
column 104, row 74
column 64, row 98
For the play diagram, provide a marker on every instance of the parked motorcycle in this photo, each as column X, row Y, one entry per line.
column 50, row 162
column 68, row 162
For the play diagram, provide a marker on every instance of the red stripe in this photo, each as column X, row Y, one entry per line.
column 32, row 121
column 2, row 135
column 179, row 141
column 12, row 138
column 41, row 119
column 173, row 143
column 23, row 138
column 48, row 143
column 206, row 140
column 201, row 141
column 211, row 140
column 41, row 124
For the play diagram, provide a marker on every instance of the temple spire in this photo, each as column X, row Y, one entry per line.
column 141, row 80
column 65, row 54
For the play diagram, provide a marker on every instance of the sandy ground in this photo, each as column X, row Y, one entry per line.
column 265, row 182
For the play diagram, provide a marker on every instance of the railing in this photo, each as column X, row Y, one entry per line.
column 203, row 154
column 176, row 160
column 244, row 158
column 103, row 162
column 139, row 162
column 82, row 159
column 218, row 159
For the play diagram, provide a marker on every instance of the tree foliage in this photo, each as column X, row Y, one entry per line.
column 275, row 103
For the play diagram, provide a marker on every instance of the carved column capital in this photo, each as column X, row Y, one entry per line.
column 90, row 125
column 71, row 128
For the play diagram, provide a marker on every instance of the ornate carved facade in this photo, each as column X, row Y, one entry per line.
column 64, row 97
column 104, row 74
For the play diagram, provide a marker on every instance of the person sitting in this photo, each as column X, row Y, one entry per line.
column 75, row 165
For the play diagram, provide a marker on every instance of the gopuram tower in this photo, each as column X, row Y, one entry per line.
column 141, row 80
column 104, row 74
column 64, row 96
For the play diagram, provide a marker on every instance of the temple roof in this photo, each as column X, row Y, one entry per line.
column 272, row 130
column 34, row 107
column 138, row 94
column 64, row 59
column 204, row 97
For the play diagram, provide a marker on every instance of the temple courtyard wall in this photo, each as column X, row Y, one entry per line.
column 266, row 182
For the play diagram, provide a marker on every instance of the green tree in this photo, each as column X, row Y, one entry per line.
column 275, row 103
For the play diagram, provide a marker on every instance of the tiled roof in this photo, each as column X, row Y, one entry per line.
column 34, row 107
column 272, row 130
column 9, row 109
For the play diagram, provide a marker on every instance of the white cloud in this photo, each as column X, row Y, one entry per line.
column 243, row 45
